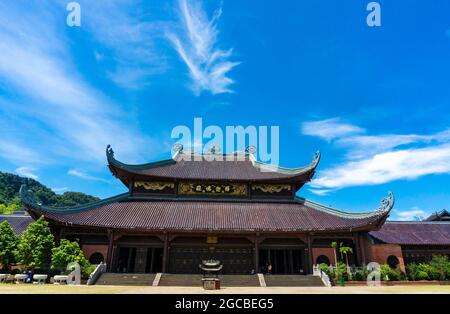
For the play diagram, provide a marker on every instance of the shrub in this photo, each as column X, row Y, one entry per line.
column 68, row 252
column 429, row 270
column 361, row 275
column 448, row 271
column 341, row 271
column 422, row 275
column 86, row 271
column 387, row 273
column 439, row 264
column 35, row 245
column 326, row 269
column 412, row 270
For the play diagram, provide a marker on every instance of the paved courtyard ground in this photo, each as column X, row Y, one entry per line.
column 83, row 289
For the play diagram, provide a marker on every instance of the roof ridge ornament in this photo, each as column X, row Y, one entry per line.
column 109, row 152
column 387, row 203
column 177, row 148
column 250, row 149
column 316, row 159
column 214, row 149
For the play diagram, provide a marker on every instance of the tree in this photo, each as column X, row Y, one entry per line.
column 8, row 244
column 35, row 245
column 344, row 250
column 68, row 252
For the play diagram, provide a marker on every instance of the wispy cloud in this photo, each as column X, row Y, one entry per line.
column 378, row 159
column 197, row 45
column 17, row 153
column 413, row 214
column 330, row 129
column 122, row 28
column 85, row 176
column 74, row 119
column 26, row 172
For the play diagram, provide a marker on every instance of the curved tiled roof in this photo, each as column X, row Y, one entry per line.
column 241, row 167
column 126, row 212
column 414, row 233
column 18, row 222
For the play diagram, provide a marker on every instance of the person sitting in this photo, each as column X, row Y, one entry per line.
column 29, row 278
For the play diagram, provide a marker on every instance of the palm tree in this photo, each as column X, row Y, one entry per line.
column 344, row 250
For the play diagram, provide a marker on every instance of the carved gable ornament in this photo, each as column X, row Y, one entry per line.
column 271, row 188
column 154, row 186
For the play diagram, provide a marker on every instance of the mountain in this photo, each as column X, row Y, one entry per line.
column 9, row 193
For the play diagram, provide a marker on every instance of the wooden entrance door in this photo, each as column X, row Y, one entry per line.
column 235, row 260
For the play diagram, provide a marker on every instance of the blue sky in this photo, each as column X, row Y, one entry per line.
column 373, row 100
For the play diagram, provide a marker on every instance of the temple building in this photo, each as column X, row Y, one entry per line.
column 232, row 208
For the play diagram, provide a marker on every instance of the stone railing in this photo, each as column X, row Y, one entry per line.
column 325, row 278
column 100, row 269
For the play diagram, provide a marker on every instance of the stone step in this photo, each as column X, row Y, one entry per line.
column 181, row 280
column 239, row 281
column 293, row 281
column 126, row 279
column 196, row 280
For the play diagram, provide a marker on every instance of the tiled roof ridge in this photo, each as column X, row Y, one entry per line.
column 420, row 222
column 386, row 206
column 27, row 197
column 248, row 156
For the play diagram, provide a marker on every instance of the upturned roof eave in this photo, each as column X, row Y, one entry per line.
column 124, row 171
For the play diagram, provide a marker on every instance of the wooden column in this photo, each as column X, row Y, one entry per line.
column 357, row 249
column 256, row 254
column 361, row 245
column 310, row 255
column 110, row 250
column 165, row 253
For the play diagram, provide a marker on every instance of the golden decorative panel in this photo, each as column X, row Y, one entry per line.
column 154, row 186
column 271, row 188
column 212, row 188
column 212, row 239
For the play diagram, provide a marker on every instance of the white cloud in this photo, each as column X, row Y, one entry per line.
column 26, row 172
column 386, row 167
column 413, row 214
column 321, row 192
column 85, row 176
column 330, row 129
column 366, row 145
column 378, row 159
column 208, row 65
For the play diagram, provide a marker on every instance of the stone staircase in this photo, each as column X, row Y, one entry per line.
column 196, row 280
column 293, row 281
column 181, row 280
column 239, row 281
column 126, row 279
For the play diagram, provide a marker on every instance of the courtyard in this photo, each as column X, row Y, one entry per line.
column 84, row 289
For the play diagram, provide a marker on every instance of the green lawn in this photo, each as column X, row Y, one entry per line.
column 83, row 289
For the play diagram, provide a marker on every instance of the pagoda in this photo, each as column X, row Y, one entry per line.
column 193, row 207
